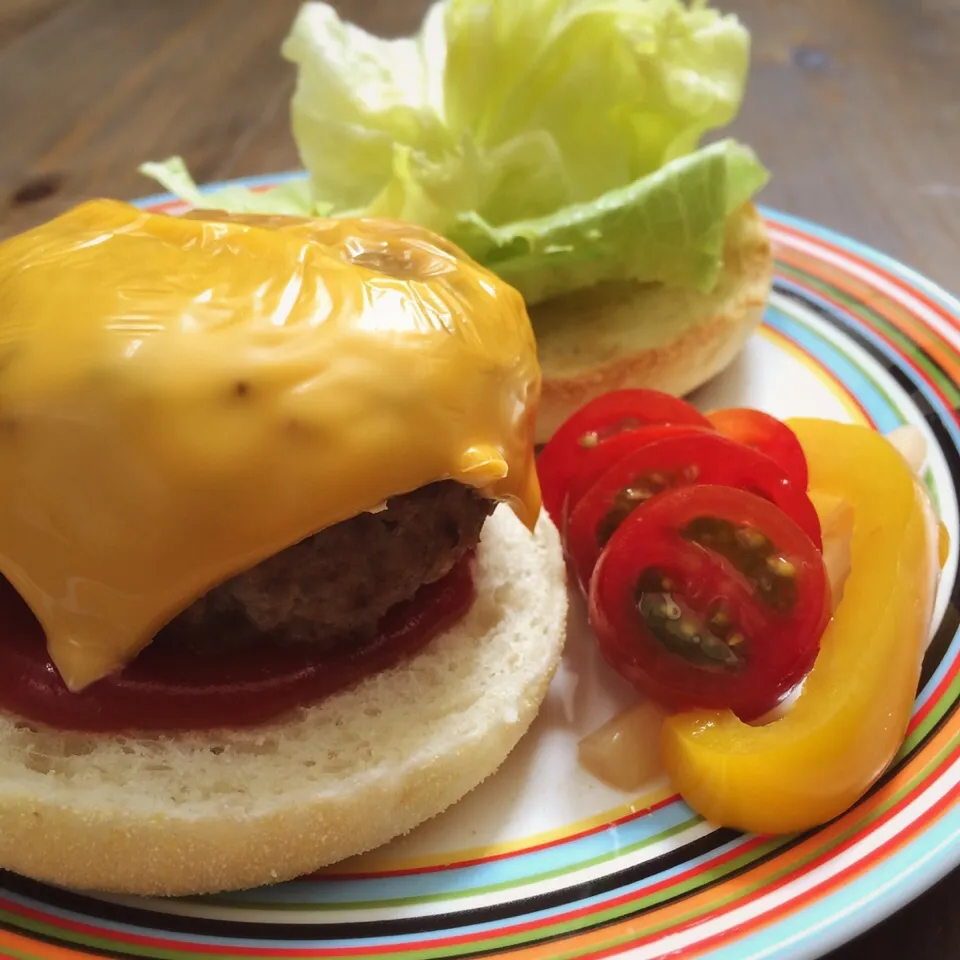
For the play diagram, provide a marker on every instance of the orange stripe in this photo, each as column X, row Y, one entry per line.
column 735, row 890
column 848, row 874
column 701, row 906
column 895, row 313
column 37, row 950
column 932, row 381
column 905, row 286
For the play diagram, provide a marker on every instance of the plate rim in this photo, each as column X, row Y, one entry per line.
column 926, row 868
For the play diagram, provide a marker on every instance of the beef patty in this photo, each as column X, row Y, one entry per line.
column 335, row 586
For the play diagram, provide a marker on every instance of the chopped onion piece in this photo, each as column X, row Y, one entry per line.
column 625, row 752
column 911, row 444
column 836, row 525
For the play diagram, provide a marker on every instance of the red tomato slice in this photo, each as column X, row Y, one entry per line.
column 766, row 434
column 609, row 453
column 684, row 460
column 580, row 437
column 710, row 597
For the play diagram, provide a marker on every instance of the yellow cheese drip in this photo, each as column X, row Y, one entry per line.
column 181, row 398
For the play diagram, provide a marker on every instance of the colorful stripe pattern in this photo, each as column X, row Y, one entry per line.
column 650, row 879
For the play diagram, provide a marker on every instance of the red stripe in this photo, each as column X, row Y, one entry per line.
column 111, row 936
column 893, row 321
column 897, row 349
column 886, row 849
column 579, row 913
column 742, row 930
column 865, row 861
column 935, row 696
column 533, row 925
column 792, row 233
column 954, row 670
column 139, row 939
column 493, row 858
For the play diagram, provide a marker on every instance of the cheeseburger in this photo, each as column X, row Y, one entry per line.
column 276, row 587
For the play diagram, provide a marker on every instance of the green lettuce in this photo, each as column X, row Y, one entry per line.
column 648, row 229
column 556, row 141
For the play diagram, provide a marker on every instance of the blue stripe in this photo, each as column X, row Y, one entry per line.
column 372, row 942
column 911, row 277
column 943, row 412
column 522, row 868
column 859, row 904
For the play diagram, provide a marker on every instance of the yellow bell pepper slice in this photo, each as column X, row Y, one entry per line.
column 851, row 717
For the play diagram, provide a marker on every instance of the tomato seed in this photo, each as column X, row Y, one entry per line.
column 781, row 566
column 670, row 610
column 752, row 539
column 720, row 618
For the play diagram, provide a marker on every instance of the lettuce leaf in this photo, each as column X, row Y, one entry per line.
column 555, row 140
column 667, row 227
column 609, row 90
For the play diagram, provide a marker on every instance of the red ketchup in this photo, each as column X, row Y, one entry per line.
column 171, row 686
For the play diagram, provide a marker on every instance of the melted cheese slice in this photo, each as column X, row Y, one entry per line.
column 181, row 398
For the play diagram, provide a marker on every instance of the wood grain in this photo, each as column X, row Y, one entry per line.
column 854, row 105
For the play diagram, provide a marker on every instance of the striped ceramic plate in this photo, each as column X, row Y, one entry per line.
column 544, row 862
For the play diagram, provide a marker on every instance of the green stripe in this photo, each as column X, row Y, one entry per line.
column 561, row 928
column 937, row 711
column 745, row 893
column 568, row 928
column 74, row 940
column 473, row 891
column 794, row 867
column 17, row 955
column 907, row 317
column 939, row 707
column 72, row 937
column 881, row 324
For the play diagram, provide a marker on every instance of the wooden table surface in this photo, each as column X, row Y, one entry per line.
column 854, row 105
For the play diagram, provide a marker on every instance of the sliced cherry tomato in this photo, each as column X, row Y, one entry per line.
column 684, row 460
column 710, row 597
column 766, row 434
column 581, row 437
column 609, row 453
